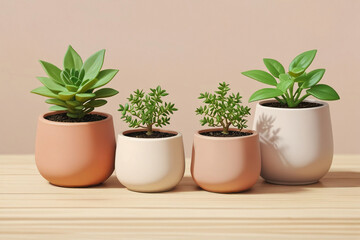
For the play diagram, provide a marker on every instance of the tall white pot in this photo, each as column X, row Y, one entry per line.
column 296, row 144
column 149, row 164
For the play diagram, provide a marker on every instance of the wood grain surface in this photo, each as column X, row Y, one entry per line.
column 31, row 208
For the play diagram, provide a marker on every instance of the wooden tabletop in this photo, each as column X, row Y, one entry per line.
column 31, row 208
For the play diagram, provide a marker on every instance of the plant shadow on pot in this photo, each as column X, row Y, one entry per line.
column 270, row 136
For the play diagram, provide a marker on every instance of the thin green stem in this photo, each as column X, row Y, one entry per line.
column 301, row 99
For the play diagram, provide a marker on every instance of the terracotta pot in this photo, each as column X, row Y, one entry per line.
column 75, row 154
column 225, row 164
column 149, row 164
column 296, row 144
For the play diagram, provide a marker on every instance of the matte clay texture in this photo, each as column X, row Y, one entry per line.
column 75, row 154
column 225, row 165
column 296, row 144
column 150, row 164
column 62, row 117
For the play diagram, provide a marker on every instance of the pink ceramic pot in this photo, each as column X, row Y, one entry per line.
column 75, row 154
column 226, row 164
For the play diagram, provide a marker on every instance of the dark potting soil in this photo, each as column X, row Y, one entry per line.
column 156, row 134
column 62, row 117
column 301, row 105
column 220, row 134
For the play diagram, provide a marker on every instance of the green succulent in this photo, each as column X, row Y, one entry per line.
column 284, row 89
column 73, row 89
column 222, row 110
column 147, row 110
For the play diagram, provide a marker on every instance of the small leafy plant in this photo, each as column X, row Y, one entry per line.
column 284, row 91
column 147, row 110
column 222, row 110
column 72, row 89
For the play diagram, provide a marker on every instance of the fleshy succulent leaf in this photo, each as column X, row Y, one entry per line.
column 44, row 91
column 82, row 97
column 51, row 84
column 52, row 71
column 104, row 77
column 93, row 64
column 105, row 92
column 72, row 60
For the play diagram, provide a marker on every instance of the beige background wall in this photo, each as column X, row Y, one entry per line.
column 185, row 46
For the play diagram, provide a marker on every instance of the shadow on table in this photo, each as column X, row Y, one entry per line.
column 338, row 179
column 334, row 179
column 112, row 182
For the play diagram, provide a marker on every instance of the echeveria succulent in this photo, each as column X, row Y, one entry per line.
column 73, row 89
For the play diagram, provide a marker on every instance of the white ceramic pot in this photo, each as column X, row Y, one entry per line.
column 296, row 144
column 149, row 164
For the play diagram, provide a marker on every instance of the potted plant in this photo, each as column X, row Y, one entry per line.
column 75, row 146
column 149, row 159
column 225, row 159
column 295, row 133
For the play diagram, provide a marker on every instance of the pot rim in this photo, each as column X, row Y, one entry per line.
column 122, row 134
column 324, row 105
column 44, row 120
column 197, row 134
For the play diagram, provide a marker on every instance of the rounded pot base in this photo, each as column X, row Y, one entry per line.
column 291, row 183
column 75, row 186
column 149, row 191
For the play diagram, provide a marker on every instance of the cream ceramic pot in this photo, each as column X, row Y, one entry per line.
column 225, row 164
column 149, row 164
column 75, row 154
column 296, row 144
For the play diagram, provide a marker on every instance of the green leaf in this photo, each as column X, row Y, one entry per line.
column 73, row 103
column 93, row 64
column 303, row 60
column 296, row 72
column 104, row 77
column 265, row 93
column 261, row 76
column 56, row 102
column 86, row 85
column 44, row 91
column 323, row 92
column 82, row 97
column 285, row 82
column 66, row 96
column 50, row 84
column 301, row 78
column 72, row 59
column 96, row 103
column 274, row 67
column 57, row 108
column 52, row 71
column 313, row 78
column 71, row 88
column 105, row 92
